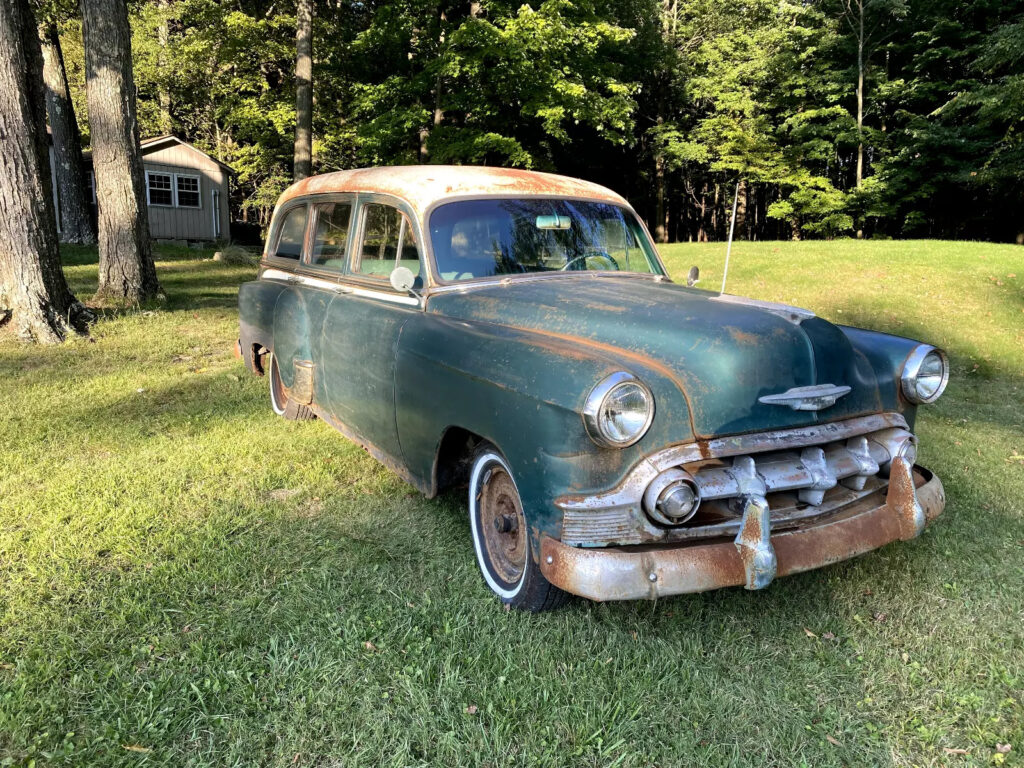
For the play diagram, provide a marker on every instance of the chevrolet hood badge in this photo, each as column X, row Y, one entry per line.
column 813, row 398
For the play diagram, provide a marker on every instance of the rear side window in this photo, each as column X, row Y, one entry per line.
column 331, row 239
column 388, row 241
column 291, row 234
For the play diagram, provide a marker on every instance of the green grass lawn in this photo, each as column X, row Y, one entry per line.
column 186, row 579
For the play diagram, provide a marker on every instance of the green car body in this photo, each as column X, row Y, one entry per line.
column 419, row 377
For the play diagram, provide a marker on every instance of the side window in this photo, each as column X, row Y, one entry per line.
column 331, row 239
column 158, row 189
column 388, row 241
column 291, row 234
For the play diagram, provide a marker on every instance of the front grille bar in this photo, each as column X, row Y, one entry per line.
column 813, row 472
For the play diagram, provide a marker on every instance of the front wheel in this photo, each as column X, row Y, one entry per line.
column 283, row 405
column 501, row 538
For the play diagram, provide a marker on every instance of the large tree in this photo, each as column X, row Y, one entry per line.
column 75, row 211
column 303, row 89
column 33, row 293
column 127, row 272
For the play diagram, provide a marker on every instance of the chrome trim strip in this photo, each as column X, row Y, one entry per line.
column 339, row 287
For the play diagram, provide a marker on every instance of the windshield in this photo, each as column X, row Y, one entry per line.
column 483, row 238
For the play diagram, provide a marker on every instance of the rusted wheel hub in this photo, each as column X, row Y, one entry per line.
column 503, row 525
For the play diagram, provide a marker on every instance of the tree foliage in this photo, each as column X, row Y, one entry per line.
column 671, row 102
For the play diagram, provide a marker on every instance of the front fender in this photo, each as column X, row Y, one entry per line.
column 524, row 392
column 887, row 355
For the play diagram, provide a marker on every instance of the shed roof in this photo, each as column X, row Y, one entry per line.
column 154, row 143
column 422, row 185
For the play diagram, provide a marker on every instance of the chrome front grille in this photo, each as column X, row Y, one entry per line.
column 798, row 482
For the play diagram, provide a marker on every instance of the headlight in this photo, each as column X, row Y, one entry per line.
column 925, row 374
column 618, row 411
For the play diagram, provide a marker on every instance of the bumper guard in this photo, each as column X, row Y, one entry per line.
column 756, row 556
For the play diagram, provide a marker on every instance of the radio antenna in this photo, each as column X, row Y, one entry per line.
column 732, row 228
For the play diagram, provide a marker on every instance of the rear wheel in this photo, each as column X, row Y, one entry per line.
column 501, row 537
column 282, row 404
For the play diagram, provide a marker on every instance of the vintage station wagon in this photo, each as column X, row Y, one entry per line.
column 621, row 436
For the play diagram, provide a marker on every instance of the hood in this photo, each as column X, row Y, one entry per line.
column 722, row 355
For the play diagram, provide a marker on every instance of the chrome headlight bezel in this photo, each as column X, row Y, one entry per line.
column 912, row 369
column 593, row 407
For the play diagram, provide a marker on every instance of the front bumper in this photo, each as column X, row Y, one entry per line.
column 913, row 497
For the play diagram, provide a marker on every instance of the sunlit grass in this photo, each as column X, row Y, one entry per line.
column 188, row 580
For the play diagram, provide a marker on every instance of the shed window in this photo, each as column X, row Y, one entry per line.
column 158, row 189
column 292, row 234
column 188, row 191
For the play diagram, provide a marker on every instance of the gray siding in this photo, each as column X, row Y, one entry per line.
column 177, row 223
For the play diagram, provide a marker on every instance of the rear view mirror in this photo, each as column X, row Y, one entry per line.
column 693, row 278
column 554, row 221
column 402, row 279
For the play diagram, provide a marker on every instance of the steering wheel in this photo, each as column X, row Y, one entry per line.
column 595, row 254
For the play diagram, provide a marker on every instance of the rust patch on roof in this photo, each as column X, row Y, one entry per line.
column 422, row 185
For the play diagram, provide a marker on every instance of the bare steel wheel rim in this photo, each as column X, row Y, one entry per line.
column 502, row 524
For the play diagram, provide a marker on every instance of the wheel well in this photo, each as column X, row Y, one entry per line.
column 454, row 454
column 259, row 353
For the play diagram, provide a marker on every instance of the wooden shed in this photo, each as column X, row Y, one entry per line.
column 186, row 191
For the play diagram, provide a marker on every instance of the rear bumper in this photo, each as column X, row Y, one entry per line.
column 912, row 499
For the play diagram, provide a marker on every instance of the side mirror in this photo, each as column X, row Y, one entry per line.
column 402, row 279
column 693, row 278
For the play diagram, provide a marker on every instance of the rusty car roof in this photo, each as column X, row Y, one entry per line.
column 423, row 185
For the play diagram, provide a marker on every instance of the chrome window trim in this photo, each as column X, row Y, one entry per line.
column 463, row 286
column 274, row 236
column 314, row 217
column 912, row 367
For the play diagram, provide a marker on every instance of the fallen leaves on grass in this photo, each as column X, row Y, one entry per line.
column 809, row 633
column 471, row 709
column 1003, row 748
column 827, row 636
column 955, row 751
column 136, row 748
column 369, row 646
column 833, row 741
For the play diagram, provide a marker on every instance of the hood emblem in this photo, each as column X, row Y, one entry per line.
column 813, row 398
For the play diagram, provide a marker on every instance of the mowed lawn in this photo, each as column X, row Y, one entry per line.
column 186, row 579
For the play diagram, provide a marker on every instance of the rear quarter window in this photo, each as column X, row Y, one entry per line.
column 291, row 234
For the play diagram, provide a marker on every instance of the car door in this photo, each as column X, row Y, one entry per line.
column 292, row 329
column 364, row 321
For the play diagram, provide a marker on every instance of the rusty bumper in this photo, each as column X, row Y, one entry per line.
column 914, row 497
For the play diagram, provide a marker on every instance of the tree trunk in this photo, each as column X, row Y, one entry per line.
column 75, row 211
column 860, row 97
column 127, row 272
column 303, row 89
column 163, row 94
column 33, row 293
column 741, row 208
